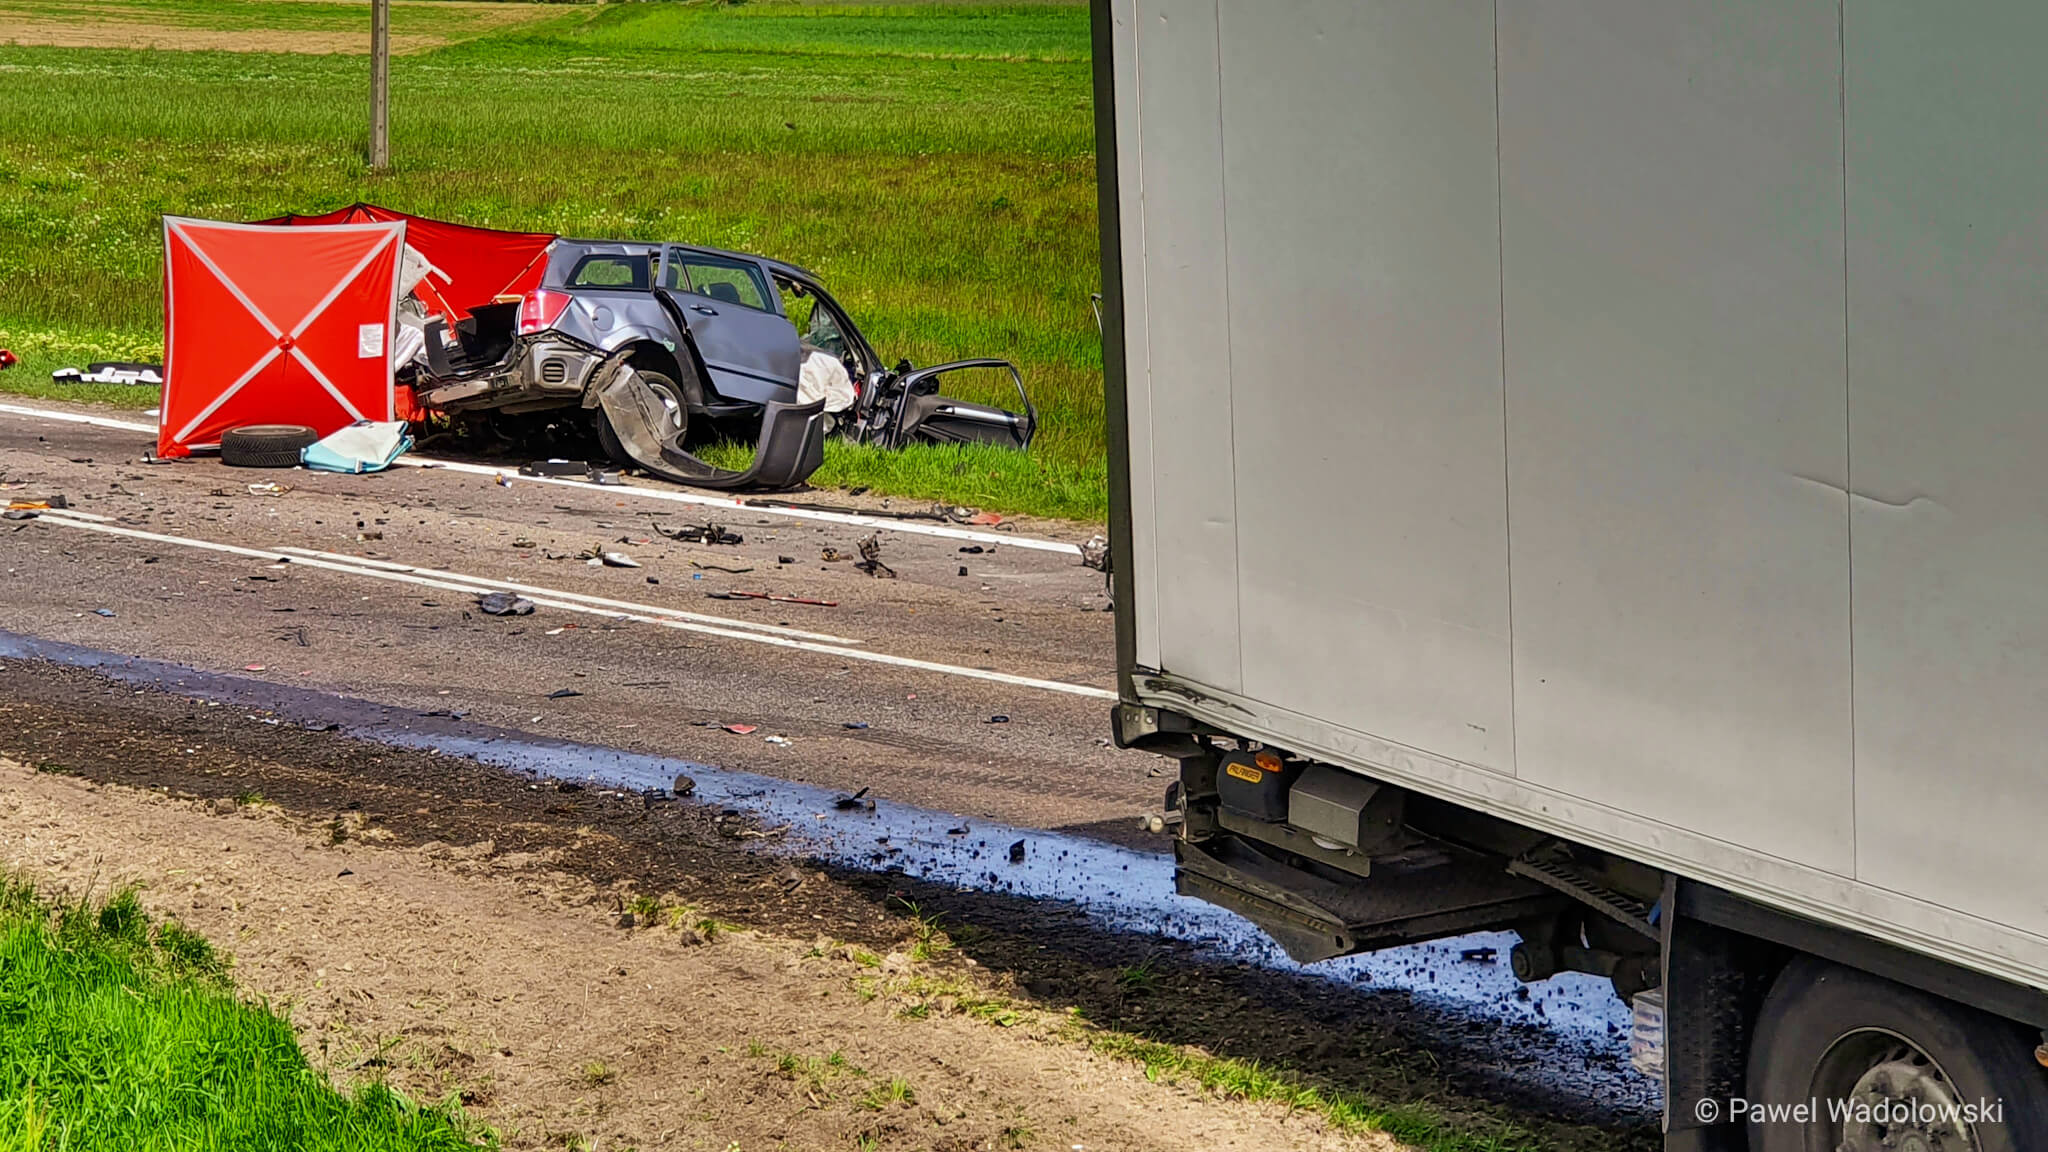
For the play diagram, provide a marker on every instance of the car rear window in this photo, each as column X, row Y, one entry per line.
column 626, row 272
column 733, row 281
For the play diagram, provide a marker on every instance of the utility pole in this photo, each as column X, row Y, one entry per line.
column 380, row 85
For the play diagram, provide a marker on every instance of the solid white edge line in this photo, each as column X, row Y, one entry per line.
column 735, row 506
column 569, row 606
column 487, row 582
column 76, row 418
column 411, row 460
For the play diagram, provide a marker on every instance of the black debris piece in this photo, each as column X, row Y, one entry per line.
column 785, row 559
column 563, row 469
column 855, row 724
column 858, row 802
column 683, row 786
column 975, row 550
column 1017, row 852
column 999, row 718
column 107, row 612
column 563, row 693
column 963, row 569
column 19, row 514
column 1478, row 955
column 707, row 533
column 871, row 557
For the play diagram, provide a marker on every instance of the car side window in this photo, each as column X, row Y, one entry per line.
column 628, row 272
column 733, row 281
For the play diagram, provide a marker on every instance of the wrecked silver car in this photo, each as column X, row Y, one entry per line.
column 659, row 342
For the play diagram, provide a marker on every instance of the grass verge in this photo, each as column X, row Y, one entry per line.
column 116, row 1033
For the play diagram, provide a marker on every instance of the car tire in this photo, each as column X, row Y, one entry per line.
column 1832, row 1033
column 660, row 382
column 265, row 445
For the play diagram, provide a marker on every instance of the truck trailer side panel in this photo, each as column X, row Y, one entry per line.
column 1628, row 426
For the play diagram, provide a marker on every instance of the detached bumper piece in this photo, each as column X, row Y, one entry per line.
column 1315, row 917
column 791, row 447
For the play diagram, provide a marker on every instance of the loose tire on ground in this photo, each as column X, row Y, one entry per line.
column 265, row 445
column 1826, row 1029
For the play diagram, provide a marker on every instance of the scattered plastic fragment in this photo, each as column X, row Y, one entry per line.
column 504, row 604
column 741, row 729
column 563, row 693
column 107, row 612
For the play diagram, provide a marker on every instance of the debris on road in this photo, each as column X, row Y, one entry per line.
column 871, row 557
column 741, row 729
column 364, row 446
column 999, row 718
column 975, row 550
column 720, row 568
column 1095, row 553
column 20, row 514
column 270, row 489
column 563, row 693
column 771, row 597
column 504, row 604
column 858, row 802
column 783, row 741
column 834, row 556
column 683, row 785
column 1017, row 852
column 563, row 470
column 1478, row 955
column 709, row 532
column 523, row 542
column 855, row 725
column 595, row 555
column 107, row 612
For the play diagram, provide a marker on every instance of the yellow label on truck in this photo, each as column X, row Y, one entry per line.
column 1243, row 771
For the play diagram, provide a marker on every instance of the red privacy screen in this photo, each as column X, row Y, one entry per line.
column 268, row 325
column 473, row 265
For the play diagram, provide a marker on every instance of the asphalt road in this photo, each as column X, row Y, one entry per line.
column 983, row 694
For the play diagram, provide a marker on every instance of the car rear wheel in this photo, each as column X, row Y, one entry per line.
column 674, row 403
column 1887, row 1068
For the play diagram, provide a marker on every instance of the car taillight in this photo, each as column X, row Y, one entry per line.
column 540, row 309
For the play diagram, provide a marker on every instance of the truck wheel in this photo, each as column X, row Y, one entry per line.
column 1906, row 1068
column 672, row 399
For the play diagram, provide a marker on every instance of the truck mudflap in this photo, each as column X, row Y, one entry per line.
column 790, row 448
column 1445, row 893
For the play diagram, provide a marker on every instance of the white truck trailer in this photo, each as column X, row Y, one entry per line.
column 1581, row 466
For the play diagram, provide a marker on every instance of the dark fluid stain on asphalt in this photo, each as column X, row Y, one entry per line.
column 1585, row 1025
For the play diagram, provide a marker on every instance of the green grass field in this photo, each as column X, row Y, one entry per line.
column 116, row 1034
column 932, row 163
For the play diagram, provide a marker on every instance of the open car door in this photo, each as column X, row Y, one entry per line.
column 749, row 348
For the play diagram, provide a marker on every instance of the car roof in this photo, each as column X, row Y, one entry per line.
column 651, row 246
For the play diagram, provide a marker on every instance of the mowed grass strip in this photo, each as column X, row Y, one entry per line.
column 119, row 1034
column 933, row 164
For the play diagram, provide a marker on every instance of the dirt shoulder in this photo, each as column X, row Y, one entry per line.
column 455, row 927
column 494, row 977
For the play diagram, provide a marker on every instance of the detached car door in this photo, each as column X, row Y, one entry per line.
column 733, row 314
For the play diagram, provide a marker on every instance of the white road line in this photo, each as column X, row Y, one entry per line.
column 743, row 509
column 843, row 653
column 75, row 418
column 486, row 583
column 944, row 531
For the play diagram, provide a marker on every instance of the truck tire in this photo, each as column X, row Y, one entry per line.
column 1830, row 1033
column 265, row 445
column 672, row 396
